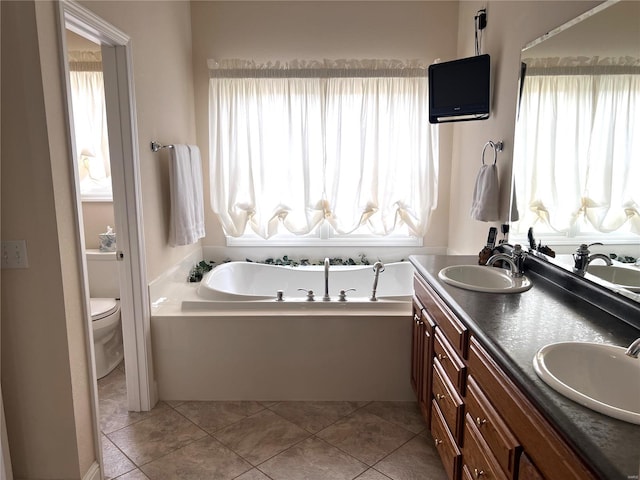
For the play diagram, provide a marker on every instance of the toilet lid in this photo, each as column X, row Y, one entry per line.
column 102, row 307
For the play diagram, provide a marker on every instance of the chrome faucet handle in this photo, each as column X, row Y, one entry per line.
column 342, row 296
column 279, row 295
column 634, row 349
column 309, row 294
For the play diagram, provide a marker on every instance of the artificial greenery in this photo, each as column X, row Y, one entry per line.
column 204, row 266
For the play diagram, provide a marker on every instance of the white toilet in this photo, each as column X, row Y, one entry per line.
column 105, row 310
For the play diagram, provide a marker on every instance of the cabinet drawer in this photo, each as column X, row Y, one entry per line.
column 445, row 444
column 494, row 431
column 454, row 330
column 449, row 401
column 477, row 457
column 450, row 361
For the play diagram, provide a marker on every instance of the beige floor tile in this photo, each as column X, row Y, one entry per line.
column 372, row 474
column 204, row 458
column 155, row 436
column 314, row 416
column 312, row 459
column 134, row 475
column 112, row 395
column 253, row 474
column 260, row 436
column 365, row 436
column 115, row 462
column 415, row 460
column 405, row 414
column 212, row 416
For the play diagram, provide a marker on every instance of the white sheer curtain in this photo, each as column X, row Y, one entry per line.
column 344, row 142
column 577, row 148
column 90, row 124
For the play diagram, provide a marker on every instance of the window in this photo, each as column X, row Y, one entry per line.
column 90, row 125
column 577, row 147
column 321, row 150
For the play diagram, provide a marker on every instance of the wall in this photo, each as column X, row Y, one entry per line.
column 163, row 85
column 511, row 25
column 95, row 217
column 45, row 366
column 265, row 31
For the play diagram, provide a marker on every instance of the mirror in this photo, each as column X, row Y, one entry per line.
column 576, row 145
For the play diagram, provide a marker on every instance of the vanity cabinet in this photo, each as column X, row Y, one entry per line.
column 482, row 424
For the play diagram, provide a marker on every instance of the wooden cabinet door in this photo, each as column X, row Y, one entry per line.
column 417, row 349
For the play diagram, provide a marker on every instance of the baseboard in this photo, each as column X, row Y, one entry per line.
column 93, row 473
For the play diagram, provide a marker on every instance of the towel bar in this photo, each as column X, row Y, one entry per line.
column 155, row 146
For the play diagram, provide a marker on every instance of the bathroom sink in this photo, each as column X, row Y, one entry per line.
column 621, row 276
column 481, row 278
column 600, row 377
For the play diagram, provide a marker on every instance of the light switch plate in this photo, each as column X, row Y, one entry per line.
column 14, row 254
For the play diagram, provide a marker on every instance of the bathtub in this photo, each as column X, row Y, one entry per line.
column 228, row 338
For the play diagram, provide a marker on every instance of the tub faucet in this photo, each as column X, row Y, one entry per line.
column 326, row 297
column 378, row 267
column 634, row 348
column 515, row 260
column 582, row 259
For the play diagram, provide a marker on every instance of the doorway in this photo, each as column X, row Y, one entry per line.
column 114, row 47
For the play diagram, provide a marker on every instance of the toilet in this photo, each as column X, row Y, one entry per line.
column 104, row 291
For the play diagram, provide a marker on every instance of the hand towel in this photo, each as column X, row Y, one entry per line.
column 486, row 195
column 187, row 207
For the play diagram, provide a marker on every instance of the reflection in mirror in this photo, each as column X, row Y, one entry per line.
column 89, row 118
column 576, row 159
column 577, row 142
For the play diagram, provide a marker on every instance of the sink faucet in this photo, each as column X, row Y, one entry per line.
column 634, row 348
column 326, row 297
column 582, row 259
column 515, row 260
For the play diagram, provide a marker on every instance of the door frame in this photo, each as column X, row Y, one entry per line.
column 127, row 197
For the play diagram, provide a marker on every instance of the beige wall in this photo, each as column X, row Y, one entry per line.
column 96, row 216
column 511, row 25
column 45, row 370
column 160, row 34
column 265, row 31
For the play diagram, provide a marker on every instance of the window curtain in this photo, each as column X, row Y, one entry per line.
column 578, row 143
column 90, row 124
column 349, row 143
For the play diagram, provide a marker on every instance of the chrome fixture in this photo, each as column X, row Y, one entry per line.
column 582, row 259
column 515, row 260
column 342, row 297
column 309, row 294
column 156, row 146
column 378, row 267
column 279, row 296
column 326, row 296
column 634, row 349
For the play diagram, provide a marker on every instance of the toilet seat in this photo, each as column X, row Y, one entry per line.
column 102, row 307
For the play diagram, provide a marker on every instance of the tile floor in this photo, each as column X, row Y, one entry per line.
column 264, row 440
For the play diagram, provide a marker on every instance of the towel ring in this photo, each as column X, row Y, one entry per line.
column 497, row 147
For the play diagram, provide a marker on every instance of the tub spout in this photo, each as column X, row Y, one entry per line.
column 377, row 268
column 326, row 296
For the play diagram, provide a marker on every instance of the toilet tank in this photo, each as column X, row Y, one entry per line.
column 103, row 275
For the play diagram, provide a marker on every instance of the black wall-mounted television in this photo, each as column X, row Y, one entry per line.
column 459, row 90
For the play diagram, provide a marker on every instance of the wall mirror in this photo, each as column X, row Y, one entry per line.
column 577, row 135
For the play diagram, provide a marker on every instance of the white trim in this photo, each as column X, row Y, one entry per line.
column 93, row 473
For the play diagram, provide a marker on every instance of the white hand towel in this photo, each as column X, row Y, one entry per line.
column 486, row 195
column 187, row 207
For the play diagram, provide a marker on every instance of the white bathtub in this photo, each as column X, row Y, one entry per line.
column 231, row 340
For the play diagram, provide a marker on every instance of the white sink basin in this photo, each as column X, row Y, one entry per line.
column 480, row 278
column 600, row 377
column 623, row 277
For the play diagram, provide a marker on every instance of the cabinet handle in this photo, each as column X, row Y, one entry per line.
column 416, row 317
column 480, row 421
column 440, row 396
column 437, row 441
column 478, row 473
column 442, row 357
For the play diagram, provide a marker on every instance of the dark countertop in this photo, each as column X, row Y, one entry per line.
column 513, row 327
